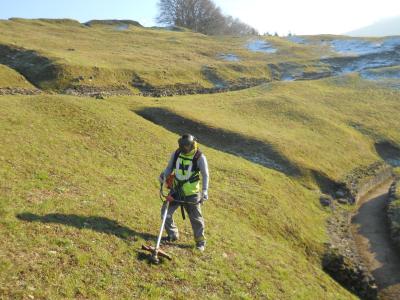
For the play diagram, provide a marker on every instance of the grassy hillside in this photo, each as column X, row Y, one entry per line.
column 103, row 55
column 79, row 191
column 79, row 196
column 78, row 176
column 328, row 127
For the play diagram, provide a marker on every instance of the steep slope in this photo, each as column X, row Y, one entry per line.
column 78, row 195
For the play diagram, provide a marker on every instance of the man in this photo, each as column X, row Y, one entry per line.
column 187, row 163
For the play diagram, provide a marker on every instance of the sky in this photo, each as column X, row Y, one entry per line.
column 281, row 16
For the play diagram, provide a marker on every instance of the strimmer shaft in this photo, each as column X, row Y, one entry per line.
column 162, row 226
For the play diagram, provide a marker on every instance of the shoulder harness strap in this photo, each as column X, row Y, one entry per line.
column 176, row 155
column 196, row 157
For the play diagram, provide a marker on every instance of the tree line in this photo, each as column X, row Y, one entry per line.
column 201, row 16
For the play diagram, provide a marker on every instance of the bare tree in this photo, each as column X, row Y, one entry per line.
column 234, row 26
column 200, row 16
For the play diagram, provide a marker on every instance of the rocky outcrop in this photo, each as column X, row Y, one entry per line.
column 18, row 91
column 342, row 260
column 149, row 90
column 362, row 180
column 353, row 276
column 288, row 71
column 97, row 92
column 393, row 212
column 345, row 64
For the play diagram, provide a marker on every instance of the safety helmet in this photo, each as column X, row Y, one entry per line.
column 186, row 142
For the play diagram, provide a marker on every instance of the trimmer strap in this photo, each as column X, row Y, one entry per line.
column 183, row 212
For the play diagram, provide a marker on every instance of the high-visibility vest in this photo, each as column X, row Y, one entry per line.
column 187, row 172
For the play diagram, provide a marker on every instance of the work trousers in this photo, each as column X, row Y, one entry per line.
column 195, row 217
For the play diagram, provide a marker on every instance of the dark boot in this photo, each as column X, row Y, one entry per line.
column 201, row 245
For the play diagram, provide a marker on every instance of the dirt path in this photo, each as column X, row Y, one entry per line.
column 371, row 234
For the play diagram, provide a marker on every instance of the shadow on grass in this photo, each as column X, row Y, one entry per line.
column 249, row 148
column 325, row 184
column 99, row 224
column 389, row 152
column 148, row 258
column 35, row 67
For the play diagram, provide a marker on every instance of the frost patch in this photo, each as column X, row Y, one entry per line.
column 362, row 47
column 260, row 46
column 368, row 63
column 287, row 78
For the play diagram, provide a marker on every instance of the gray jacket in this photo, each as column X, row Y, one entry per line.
column 201, row 163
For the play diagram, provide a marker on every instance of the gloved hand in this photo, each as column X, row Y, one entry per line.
column 204, row 196
column 161, row 177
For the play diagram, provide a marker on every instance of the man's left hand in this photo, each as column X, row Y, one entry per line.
column 204, row 196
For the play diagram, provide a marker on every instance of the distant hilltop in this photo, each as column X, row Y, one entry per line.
column 385, row 27
column 111, row 22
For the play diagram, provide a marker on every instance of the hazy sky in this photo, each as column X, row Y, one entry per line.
column 299, row 17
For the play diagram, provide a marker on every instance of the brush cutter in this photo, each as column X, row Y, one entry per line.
column 168, row 198
column 156, row 251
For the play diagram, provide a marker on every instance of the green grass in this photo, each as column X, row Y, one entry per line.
column 84, row 158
